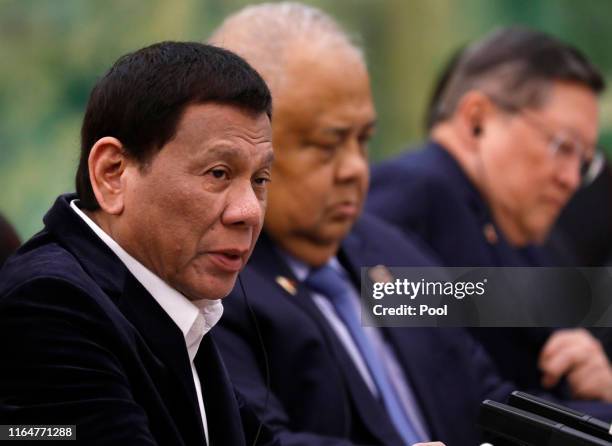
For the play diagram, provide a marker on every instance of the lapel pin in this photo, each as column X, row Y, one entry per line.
column 490, row 233
column 380, row 273
column 287, row 284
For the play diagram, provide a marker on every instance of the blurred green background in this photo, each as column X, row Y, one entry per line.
column 54, row 50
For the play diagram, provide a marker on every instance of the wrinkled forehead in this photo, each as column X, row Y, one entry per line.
column 221, row 131
column 213, row 119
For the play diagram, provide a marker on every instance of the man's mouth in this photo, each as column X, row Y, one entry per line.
column 229, row 260
column 345, row 209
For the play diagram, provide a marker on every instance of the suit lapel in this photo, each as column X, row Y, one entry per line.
column 420, row 363
column 166, row 341
column 162, row 336
column 224, row 426
column 97, row 259
column 270, row 264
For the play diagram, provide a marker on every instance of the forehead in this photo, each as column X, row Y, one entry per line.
column 212, row 119
column 573, row 108
column 218, row 127
column 317, row 90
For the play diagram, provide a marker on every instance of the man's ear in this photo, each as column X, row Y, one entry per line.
column 107, row 163
column 473, row 112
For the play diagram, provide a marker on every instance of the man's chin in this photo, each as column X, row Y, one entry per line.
column 538, row 233
column 336, row 231
column 215, row 289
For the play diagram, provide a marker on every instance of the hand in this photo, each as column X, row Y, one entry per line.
column 577, row 354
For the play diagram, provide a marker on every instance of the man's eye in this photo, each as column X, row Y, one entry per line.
column 365, row 138
column 262, row 181
column 325, row 147
column 566, row 147
column 219, row 173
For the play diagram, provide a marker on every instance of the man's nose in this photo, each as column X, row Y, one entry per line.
column 352, row 162
column 568, row 173
column 244, row 207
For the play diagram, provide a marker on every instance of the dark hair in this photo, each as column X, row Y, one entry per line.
column 141, row 99
column 514, row 64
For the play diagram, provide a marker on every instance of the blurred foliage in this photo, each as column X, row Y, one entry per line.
column 54, row 50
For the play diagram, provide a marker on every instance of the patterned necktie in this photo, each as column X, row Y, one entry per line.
column 330, row 283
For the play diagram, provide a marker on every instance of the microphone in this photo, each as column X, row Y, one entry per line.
column 528, row 429
column 572, row 418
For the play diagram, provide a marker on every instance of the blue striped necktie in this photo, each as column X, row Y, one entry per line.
column 330, row 283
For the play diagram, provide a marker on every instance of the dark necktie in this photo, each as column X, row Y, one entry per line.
column 330, row 283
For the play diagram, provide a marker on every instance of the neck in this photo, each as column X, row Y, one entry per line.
column 309, row 252
column 110, row 226
column 469, row 159
column 513, row 233
column 100, row 219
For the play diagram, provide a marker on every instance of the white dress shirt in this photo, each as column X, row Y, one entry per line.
column 193, row 318
column 396, row 375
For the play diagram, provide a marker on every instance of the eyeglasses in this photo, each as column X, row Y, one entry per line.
column 563, row 147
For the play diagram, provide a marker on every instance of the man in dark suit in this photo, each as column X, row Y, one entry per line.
column 322, row 378
column 104, row 313
column 513, row 126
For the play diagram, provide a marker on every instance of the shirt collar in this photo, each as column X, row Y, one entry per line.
column 193, row 318
column 301, row 269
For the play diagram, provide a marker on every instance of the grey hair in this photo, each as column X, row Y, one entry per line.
column 501, row 83
column 264, row 35
column 515, row 67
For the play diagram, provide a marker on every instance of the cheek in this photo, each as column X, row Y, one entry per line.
column 524, row 195
column 179, row 215
column 519, row 190
column 532, row 180
column 258, row 228
column 516, row 173
column 300, row 195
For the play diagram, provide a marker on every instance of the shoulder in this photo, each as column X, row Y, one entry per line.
column 414, row 166
column 41, row 259
column 373, row 236
column 369, row 228
column 46, row 298
column 405, row 189
column 44, row 280
column 266, row 296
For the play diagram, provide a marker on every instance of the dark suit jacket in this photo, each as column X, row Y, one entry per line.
column 583, row 233
column 426, row 192
column 317, row 396
column 84, row 343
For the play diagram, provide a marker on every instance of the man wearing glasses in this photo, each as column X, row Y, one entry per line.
column 513, row 127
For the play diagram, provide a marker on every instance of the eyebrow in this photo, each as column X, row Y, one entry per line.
column 222, row 151
column 341, row 132
column 591, row 145
column 269, row 159
column 229, row 152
